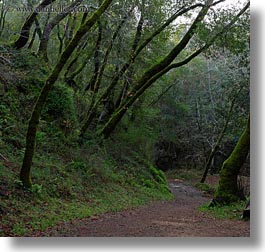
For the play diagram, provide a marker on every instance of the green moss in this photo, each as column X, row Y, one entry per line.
column 227, row 190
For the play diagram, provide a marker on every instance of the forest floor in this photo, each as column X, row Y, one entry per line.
column 176, row 218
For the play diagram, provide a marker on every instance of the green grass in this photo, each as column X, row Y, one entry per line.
column 35, row 214
column 64, row 191
column 233, row 211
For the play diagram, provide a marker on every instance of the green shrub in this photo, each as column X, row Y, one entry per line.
column 60, row 105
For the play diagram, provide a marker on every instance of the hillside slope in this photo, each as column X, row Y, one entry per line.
column 70, row 181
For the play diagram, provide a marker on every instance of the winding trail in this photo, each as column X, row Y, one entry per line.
column 176, row 218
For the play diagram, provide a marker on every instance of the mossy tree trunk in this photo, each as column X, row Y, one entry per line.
column 164, row 66
column 25, row 172
column 135, row 51
column 97, row 53
column 227, row 191
column 95, row 103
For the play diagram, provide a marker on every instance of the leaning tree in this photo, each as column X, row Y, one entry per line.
column 25, row 173
column 227, row 191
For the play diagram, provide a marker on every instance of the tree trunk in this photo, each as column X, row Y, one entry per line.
column 25, row 30
column 94, row 104
column 219, row 140
column 93, row 80
column 227, row 191
column 49, row 27
column 3, row 13
column 25, row 173
column 32, row 39
column 38, row 31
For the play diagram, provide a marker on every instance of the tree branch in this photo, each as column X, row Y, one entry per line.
column 50, row 25
column 25, row 30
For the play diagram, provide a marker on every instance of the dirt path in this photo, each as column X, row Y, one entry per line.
column 176, row 218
